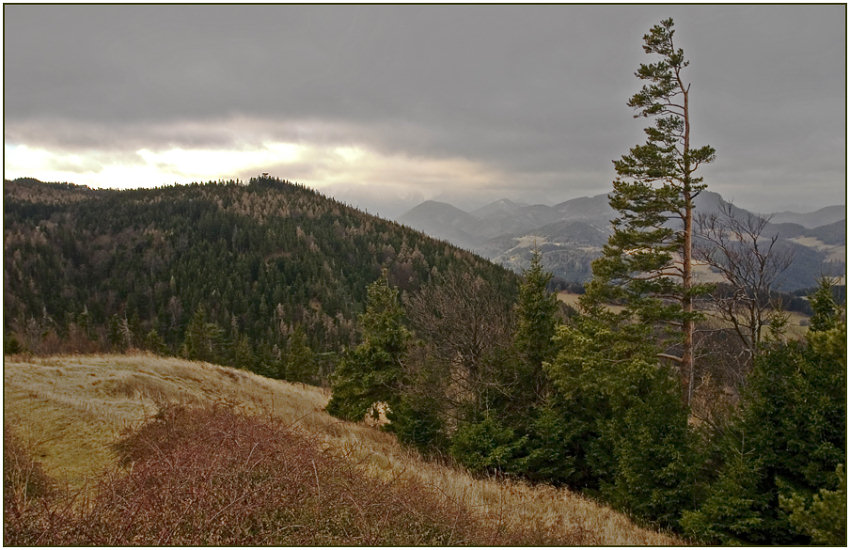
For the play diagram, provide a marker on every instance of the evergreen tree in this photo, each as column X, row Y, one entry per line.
column 372, row 372
column 536, row 322
column 154, row 343
column 784, row 445
column 300, row 365
column 616, row 425
column 244, row 353
column 824, row 308
column 647, row 263
column 825, row 517
column 203, row 339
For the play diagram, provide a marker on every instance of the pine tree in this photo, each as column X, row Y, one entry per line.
column 824, row 308
column 647, row 262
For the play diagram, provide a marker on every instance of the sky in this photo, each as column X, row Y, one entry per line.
column 386, row 106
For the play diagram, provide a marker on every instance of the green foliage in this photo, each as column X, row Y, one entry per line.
column 536, row 314
column 537, row 320
column 555, row 446
column 624, row 424
column 11, row 345
column 154, row 343
column 261, row 259
column 655, row 468
column 646, row 264
column 786, row 442
column 824, row 308
column 372, row 372
column 824, row 516
column 486, row 446
column 203, row 340
column 417, row 420
column 243, row 353
column 737, row 510
column 300, row 363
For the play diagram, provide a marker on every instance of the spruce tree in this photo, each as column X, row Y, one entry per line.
column 647, row 262
column 372, row 371
column 782, row 450
column 536, row 321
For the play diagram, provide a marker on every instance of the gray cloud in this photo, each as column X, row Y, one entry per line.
column 536, row 93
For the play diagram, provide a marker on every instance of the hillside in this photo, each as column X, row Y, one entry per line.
column 69, row 411
column 811, row 220
column 442, row 221
column 252, row 275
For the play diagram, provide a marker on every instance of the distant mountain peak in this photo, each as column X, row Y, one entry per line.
column 499, row 207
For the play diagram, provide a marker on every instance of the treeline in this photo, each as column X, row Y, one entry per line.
column 515, row 388
column 267, row 275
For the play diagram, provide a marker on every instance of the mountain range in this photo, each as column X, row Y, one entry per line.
column 571, row 234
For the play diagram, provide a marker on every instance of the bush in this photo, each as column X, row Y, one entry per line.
column 214, row 477
column 486, row 447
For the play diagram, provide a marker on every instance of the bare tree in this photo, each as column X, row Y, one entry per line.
column 463, row 319
column 751, row 264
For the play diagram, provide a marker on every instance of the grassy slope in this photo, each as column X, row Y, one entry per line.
column 70, row 409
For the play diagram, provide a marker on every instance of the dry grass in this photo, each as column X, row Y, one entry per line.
column 796, row 328
column 70, row 410
column 211, row 476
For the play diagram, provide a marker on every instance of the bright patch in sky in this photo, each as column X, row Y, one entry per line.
column 207, row 163
column 353, row 171
column 146, row 167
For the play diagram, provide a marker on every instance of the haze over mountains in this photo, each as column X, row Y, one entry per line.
column 571, row 234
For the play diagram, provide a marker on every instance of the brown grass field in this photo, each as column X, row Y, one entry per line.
column 69, row 412
column 796, row 328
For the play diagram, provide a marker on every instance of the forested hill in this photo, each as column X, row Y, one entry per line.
column 252, row 275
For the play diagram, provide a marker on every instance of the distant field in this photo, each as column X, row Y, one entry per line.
column 70, row 410
column 797, row 322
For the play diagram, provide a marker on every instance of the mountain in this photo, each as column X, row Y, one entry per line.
column 443, row 221
column 571, row 235
column 811, row 220
column 594, row 209
column 471, row 230
column 246, row 275
column 831, row 234
column 504, row 216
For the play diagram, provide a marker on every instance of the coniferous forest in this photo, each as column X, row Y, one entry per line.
column 688, row 408
column 267, row 275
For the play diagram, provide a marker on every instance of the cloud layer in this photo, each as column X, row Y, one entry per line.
column 399, row 103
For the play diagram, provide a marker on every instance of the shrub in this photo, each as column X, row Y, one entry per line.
column 215, row 477
column 486, row 447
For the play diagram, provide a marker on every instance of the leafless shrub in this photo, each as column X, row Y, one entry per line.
column 214, row 477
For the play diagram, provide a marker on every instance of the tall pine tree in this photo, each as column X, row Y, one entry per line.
column 647, row 263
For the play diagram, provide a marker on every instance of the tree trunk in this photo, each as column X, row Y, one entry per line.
column 687, row 260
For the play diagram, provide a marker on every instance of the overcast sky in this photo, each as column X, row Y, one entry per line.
column 386, row 106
